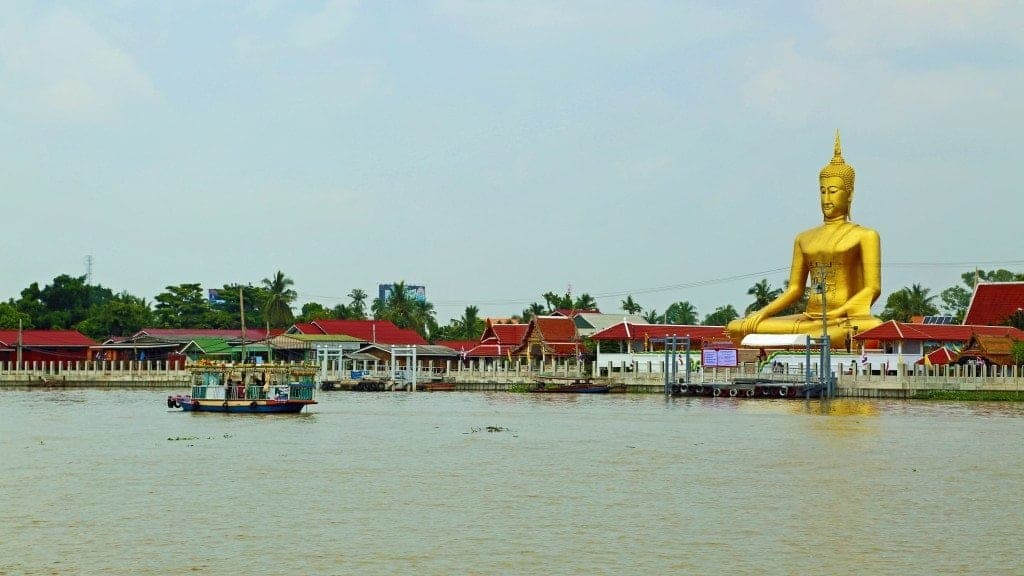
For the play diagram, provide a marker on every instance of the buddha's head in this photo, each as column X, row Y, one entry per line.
column 836, row 182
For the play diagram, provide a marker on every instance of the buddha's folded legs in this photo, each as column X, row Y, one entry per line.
column 839, row 329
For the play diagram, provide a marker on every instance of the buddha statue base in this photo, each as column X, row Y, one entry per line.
column 840, row 330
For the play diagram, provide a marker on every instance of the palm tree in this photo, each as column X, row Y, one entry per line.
column 470, row 326
column 681, row 313
column 357, row 308
column 652, row 317
column 277, row 308
column 763, row 294
column 585, row 302
column 396, row 306
column 721, row 316
column 405, row 312
column 554, row 301
column 534, row 310
column 629, row 306
column 908, row 302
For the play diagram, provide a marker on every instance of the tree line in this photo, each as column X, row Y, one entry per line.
column 70, row 302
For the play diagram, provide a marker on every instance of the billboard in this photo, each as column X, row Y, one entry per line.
column 214, row 296
column 418, row 293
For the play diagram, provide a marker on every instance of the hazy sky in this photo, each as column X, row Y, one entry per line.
column 496, row 151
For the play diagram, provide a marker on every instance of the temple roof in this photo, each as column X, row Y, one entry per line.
column 993, row 302
column 893, row 330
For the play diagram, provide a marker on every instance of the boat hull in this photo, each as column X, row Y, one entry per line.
column 246, row 406
column 572, row 389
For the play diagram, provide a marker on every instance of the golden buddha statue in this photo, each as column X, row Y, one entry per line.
column 842, row 257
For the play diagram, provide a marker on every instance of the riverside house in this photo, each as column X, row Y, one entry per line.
column 640, row 347
column 44, row 346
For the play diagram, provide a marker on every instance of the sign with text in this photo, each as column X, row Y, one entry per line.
column 725, row 358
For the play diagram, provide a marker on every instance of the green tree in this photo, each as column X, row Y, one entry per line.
column 555, row 301
column 184, row 306
column 341, row 312
column 10, row 315
column 123, row 315
column 1000, row 275
column 1016, row 320
column 681, row 313
column 63, row 303
column 721, row 316
column 955, row 301
column 763, row 294
column 277, row 303
column 405, row 312
column 314, row 311
column 356, row 310
column 532, row 311
column 227, row 312
column 584, row 302
column 31, row 305
column 1017, row 351
column 907, row 302
column 470, row 326
column 629, row 306
column 652, row 317
column 449, row 331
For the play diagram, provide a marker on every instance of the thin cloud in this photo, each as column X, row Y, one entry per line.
column 323, row 27
column 59, row 68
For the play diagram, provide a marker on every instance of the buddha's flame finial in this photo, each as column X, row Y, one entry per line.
column 837, row 155
column 838, row 166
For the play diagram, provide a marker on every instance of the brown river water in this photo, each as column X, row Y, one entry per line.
column 112, row 482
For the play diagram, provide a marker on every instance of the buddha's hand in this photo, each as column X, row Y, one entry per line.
column 749, row 325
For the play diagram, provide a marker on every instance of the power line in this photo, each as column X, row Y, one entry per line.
column 692, row 284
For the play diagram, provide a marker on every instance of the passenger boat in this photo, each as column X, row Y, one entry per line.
column 570, row 385
column 248, row 388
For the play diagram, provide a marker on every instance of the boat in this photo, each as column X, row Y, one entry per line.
column 569, row 385
column 248, row 388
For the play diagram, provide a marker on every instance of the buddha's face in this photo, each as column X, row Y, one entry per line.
column 835, row 197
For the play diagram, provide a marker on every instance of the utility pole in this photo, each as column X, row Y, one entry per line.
column 241, row 310
column 821, row 274
column 19, row 343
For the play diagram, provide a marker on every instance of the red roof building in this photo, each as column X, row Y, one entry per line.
column 460, row 346
column 498, row 340
column 993, row 302
column 369, row 331
column 45, row 346
column 908, row 338
column 549, row 336
column 639, row 336
column 185, row 334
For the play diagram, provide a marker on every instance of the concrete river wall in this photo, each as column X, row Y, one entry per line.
column 902, row 382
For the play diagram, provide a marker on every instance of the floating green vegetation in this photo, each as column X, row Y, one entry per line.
column 520, row 388
column 179, row 438
column 475, row 429
column 971, row 395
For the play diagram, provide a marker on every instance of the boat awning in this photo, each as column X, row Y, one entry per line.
column 774, row 340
